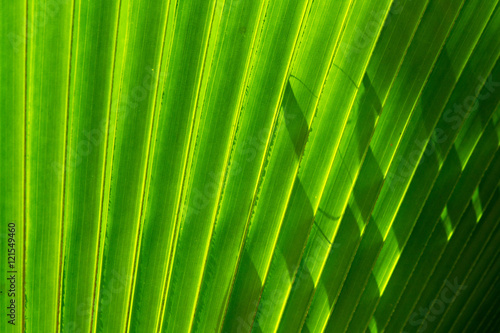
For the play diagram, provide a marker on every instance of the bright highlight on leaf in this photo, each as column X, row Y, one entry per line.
column 250, row 166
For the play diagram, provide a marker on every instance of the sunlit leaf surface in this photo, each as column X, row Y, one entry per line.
column 249, row 166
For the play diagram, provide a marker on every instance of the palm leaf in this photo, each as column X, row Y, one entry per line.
column 250, row 166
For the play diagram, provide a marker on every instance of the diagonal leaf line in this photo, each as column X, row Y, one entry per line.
column 333, row 56
column 119, row 110
column 326, row 181
column 459, row 256
column 368, row 144
column 420, row 211
column 453, row 190
column 185, row 173
column 444, row 106
column 268, row 150
column 63, row 198
column 159, row 315
column 493, row 286
column 433, row 182
column 228, row 157
column 145, row 184
column 464, row 245
column 449, row 196
column 25, row 151
column 383, row 102
column 492, row 324
column 421, row 253
column 427, row 242
column 407, row 186
column 396, row 148
column 348, row 112
column 473, row 265
column 100, row 233
column 229, row 153
column 151, row 146
column 491, row 313
column 485, row 273
column 338, row 144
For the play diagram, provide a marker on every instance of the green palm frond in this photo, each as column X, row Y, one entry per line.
column 250, row 166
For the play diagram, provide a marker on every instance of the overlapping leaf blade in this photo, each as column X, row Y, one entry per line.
column 237, row 166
